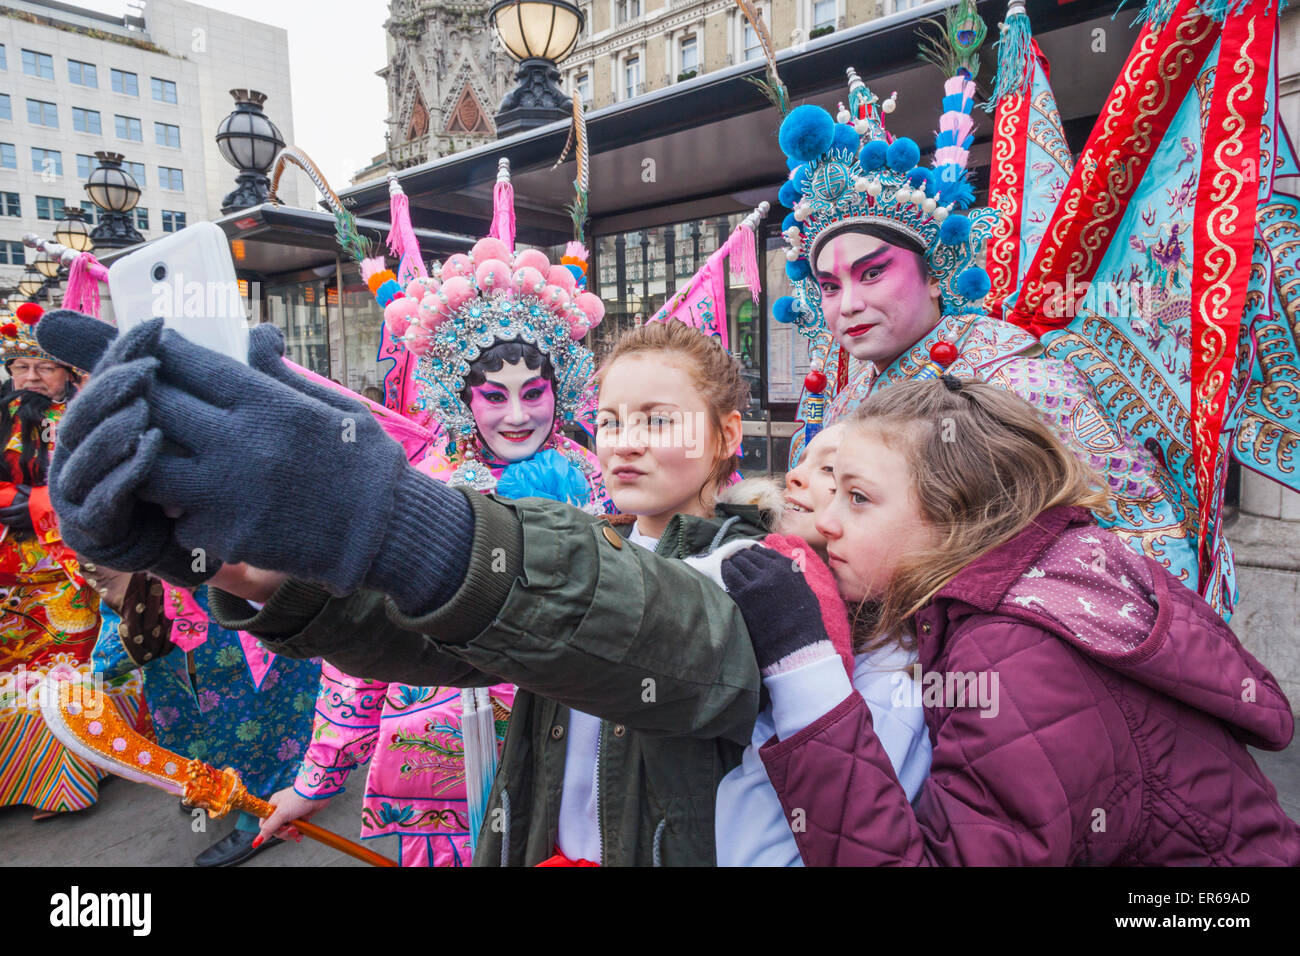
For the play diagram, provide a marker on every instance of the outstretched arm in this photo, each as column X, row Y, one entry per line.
column 266, row 470
column 550, row 603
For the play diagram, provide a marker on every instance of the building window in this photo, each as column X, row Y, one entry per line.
column 47, row 162
column 9, row 205
column 8, row 156
column 690, row 57
column 40, row 113
column 124, row 82
column 584, row 88
column 12, row 254
column 86, row 121
column 128, row 127
column 137, row 173
column 84, row 165
column 164, row 91
column 165, row 134
column 6, row 111
column 749, row 40
column 172, row 221
column 141, row 217
column 631, row 77
column 48, row 207
column 4, row 62
column 626, row 11
column 901, row 5
column 38, row 64
column 823, row 13
column 88, row 210
column 169, row 178
column 83, row 74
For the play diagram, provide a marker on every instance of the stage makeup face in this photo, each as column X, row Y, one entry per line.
column 514, row 410
column 877, row 298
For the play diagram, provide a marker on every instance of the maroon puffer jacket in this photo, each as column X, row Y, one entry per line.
column 1110, row 727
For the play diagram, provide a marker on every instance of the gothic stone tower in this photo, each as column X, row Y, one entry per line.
column 446, row 73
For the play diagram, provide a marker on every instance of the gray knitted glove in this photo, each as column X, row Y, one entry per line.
column 261, row 467
column 104, row 451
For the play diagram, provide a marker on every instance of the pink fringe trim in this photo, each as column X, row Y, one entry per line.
column 83, row 285
column 503, row 214
column 402, row 241
column 744, row 252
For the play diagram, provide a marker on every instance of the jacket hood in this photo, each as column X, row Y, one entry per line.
column 1126, row 612
column 690, row 534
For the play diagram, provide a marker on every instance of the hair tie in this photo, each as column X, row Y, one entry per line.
column 951, row 382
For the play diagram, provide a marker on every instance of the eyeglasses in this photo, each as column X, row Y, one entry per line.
column 44, row 369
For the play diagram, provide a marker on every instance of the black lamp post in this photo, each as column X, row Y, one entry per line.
column 31, row 283
column 539, row 34
column 115, row 192
column 249, row 142
column 46, row 265
column 72, row 231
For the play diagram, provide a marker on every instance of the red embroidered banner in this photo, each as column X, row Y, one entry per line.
column 1007, row 184
column 1146, row 96
column 1227, row 194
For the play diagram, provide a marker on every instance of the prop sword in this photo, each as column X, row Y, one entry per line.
column 94, row 730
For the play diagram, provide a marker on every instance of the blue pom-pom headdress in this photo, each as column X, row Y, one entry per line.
column 865, row 176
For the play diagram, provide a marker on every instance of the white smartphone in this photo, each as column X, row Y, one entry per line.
column 188, row 280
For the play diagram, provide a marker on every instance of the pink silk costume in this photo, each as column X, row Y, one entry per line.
column 411, row 736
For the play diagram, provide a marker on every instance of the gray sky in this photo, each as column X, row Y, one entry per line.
column 334, row 51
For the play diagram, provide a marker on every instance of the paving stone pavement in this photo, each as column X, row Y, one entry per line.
column 135, row 825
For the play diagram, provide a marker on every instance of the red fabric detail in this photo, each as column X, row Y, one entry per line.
column 561, row 860
column 44, row 520
column 1007, row 186
column 1223, row 238
column 1161, row 67
column 7, row 491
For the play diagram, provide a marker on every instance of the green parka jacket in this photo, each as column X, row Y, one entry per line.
column 557, row 602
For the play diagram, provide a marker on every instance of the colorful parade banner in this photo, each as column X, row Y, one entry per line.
column 1147, row 95
column 1031, row 159
column 702, row 302
column 1226, row 198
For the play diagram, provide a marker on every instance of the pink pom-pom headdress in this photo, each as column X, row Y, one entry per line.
column 495, row 294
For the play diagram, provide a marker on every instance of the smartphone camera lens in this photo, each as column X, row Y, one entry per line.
column 159, row 271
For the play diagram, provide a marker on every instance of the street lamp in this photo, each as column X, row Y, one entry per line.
column 46, row 265
column 539, row 34
column 249, row 142
column 30, row 283
column 115, row 192
column 72, row 231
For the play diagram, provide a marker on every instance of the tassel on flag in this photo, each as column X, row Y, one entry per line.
column 702, row 302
